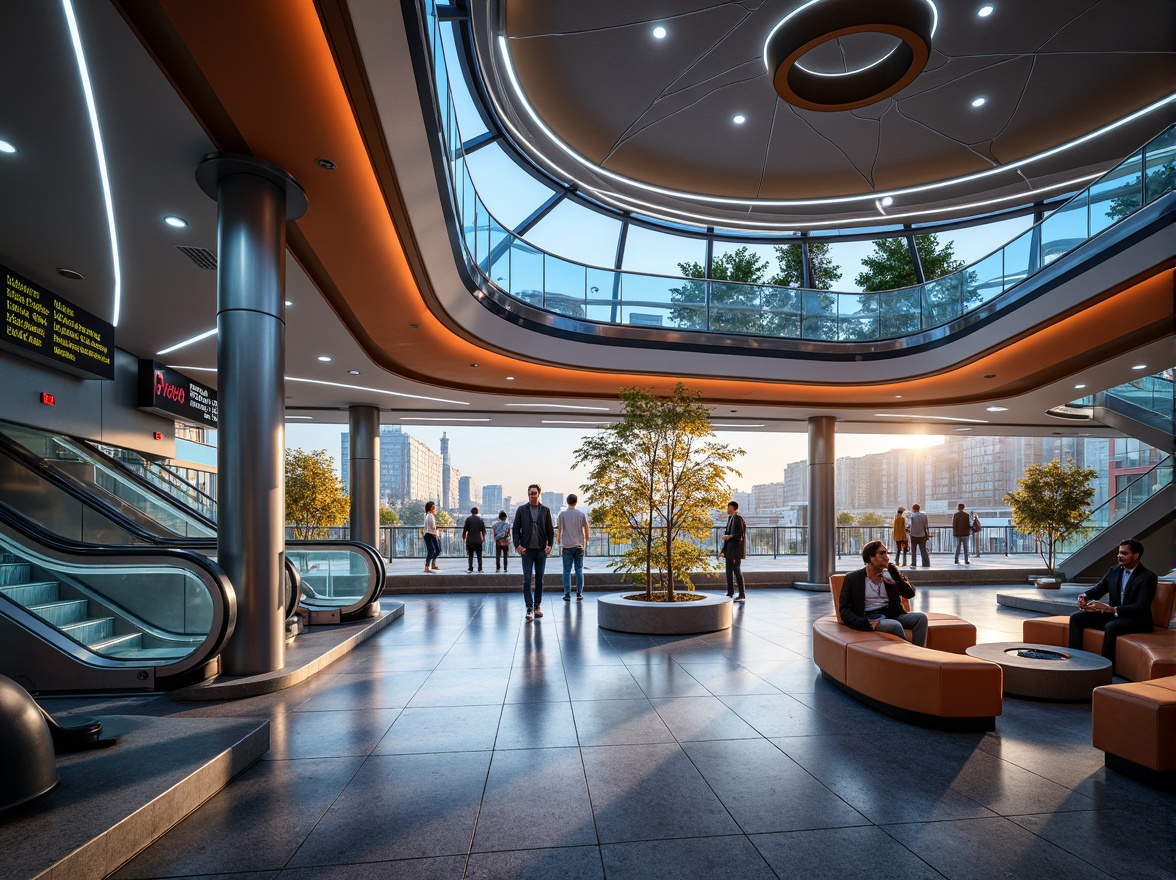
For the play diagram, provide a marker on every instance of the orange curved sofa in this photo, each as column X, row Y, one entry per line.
column 936, row 686
column 1138, row 656
column 1135, row 725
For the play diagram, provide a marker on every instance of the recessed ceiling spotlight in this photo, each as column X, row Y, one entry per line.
column 659, row 33
column 979, row 102
column 962, row 430
column 898, row 397
column 324, row 358
column 325, row 164
column 289, row 302
column 997, row 408
column 1140, row 367
column 177, row 222
column 70, row 274
column 739, row 119
column 475, row 366
column 887, row 202
column 510, row 378
column 990, row 375
column 414, row 326
column 6, row 147
column 353, row 372
column 984, row 11
column 1080, row 385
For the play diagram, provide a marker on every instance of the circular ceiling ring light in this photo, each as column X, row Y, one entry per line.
column 912, row 22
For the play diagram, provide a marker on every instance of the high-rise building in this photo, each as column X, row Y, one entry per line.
column 492, row 498
column 448, row 484
column 765, row 497
column 554, row 500
column 796, row 482
column 468, row 494
column 408, row 467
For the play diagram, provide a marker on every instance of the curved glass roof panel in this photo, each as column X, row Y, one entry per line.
column 647, row 250
column 469, row 120
column 510, row 193
column 578, row 233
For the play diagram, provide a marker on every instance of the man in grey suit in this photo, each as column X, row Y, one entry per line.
column 919, row 530
column 1130, row 588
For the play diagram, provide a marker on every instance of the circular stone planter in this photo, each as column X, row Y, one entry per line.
column 710, row 614
column 1047, row 583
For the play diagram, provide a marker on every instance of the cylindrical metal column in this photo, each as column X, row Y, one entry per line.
column 254, row 201
column 822, row 508
column 364, row 473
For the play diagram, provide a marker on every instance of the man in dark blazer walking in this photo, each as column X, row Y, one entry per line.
column 734, row 550
column 1130, row 589
column 871, row 598
column 534, row 533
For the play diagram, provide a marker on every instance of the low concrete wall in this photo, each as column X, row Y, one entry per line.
column 709, row 614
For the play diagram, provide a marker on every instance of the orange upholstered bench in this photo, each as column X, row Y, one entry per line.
column 936, row 686
column 1135, row 725
column 1138, row 656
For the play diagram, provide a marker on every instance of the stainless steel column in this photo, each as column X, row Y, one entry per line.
column 364, row 473
column 254, row 201
column 822, row 512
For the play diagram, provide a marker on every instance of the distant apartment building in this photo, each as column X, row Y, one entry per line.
column 796, row 482
column 408, row 468
column 766, row 496
column 492, row 498
column 468, row 494
column 553, row 500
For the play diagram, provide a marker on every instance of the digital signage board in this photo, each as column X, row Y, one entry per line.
column 167, row 392
column 42, row 326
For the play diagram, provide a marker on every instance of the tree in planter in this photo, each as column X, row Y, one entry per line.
column 1051, row 504
column 314, row 496
column 388, row 516
column 655, row 476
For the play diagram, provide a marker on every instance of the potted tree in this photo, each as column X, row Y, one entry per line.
column 1052, row 503
column 654, row 477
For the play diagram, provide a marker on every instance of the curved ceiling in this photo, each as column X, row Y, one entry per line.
column 293, row 81
column 649, row 124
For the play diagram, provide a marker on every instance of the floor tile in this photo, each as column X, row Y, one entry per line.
column 651, row 792
column 535, row 798
column 619, row 722
column 704, row 858
column 401, row 807
column 602, row 683
column 463, row 687
column 443, row 729
column 1140, row 846
column 365, row 690
column 536, row 726
column 328, row 734
column 573, row 863
column 866, row 853
column 440, row 868
column 702, row 718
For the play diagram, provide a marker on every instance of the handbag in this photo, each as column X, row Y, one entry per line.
column 502, row 542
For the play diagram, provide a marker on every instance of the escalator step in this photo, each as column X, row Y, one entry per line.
column 14, row 572
column 118, row 646
column 32, row 594
column 62, row 612
column 90, row 631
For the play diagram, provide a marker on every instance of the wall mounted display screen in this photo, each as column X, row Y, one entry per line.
column 44, row 327
column 168, row 393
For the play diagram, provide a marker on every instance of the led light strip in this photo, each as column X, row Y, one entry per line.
column 508, row 66
column 928, row 418
column 76, row 38
column 182, row 368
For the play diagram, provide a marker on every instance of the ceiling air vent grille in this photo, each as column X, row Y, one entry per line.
column 202, row 257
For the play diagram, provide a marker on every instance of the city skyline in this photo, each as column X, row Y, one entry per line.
column 500, row 456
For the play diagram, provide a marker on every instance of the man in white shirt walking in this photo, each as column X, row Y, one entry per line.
column 572, row 534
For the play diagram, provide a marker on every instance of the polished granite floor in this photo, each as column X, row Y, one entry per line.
column 465, row 742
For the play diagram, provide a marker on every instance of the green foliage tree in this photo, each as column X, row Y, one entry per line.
column 744, row 300
column 872, row 518
column 388, row 515
column 1158, row 181
column 654, row 476
column 314, row 496
column 889, row 268
column 845, row 518
column 1051, row 503
column 442, row 517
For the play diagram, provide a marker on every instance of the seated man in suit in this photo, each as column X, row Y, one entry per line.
column 1131, row 588
column 871, row 597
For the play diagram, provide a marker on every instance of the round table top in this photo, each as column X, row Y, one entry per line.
column 1066, row 674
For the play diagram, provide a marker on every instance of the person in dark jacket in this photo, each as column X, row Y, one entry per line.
column 871, row 598
column 474, row 535
column 1130, row 588
column 734, row 550
column 534, row 533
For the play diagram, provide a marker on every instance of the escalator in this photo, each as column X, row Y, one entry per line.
column 1142, row 409
column 80, row 617
column 85, row 494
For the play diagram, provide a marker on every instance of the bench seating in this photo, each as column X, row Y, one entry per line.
column 1138, row 656
column 936, row 686
column 1135, row 725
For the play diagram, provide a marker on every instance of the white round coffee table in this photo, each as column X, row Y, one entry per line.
column 1046, row 672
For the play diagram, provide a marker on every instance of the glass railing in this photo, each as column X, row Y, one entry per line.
column 1123, row 502
column 608, row 296
column 337, row 575
column 162, row 478
column 1153, row 394
column 76, row 462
